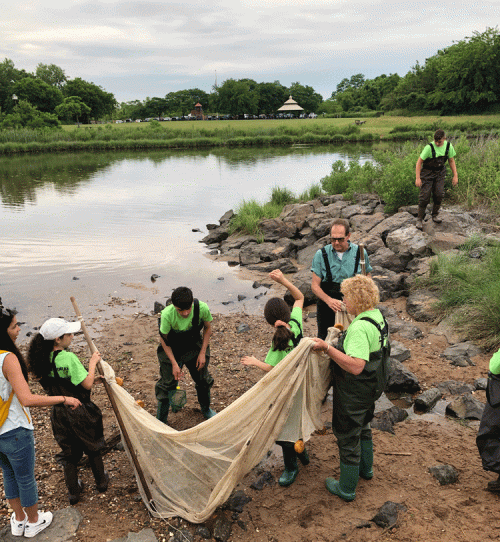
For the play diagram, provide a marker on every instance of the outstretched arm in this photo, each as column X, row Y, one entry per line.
column 297, row 295
column 250, row 360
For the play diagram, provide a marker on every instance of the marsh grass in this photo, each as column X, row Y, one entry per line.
column 469, row 291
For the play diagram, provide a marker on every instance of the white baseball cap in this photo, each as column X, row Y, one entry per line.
column 57, row 327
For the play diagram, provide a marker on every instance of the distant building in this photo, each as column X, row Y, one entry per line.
column 198, row 112
column 290, row 106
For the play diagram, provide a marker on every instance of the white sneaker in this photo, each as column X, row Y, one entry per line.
column 32, row 529
column 17, row 527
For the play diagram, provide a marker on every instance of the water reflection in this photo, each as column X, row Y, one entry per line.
column 111, row 220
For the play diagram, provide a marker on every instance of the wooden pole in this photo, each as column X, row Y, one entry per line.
column 128, row 443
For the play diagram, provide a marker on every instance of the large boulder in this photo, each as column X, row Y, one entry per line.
column 441, row 242
column 401, row 379
column 408, row 243
column 283, row 264
column 273, row 229
column 419, row 305
column 466, row 407
column 394, row 222
column 302, row 280
column 388, row 282
column 296, row 214
column 385, row 257
column 365, row 222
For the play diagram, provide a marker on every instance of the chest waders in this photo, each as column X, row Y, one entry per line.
column 353, row 408
column 432, row 175
column 186, row 347
column 76, row 431
column 325, row 315
column 488, row 436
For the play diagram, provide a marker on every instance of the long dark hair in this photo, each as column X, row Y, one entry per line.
column 39, row 356
column 6, row 343
column 277, row 309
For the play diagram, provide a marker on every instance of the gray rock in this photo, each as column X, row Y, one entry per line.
column 440, row 242
column 454, row 387
column 385, row 420
column 284, row 264
column 241, row 297
column 399, row 351
column 211, row 226
column 419, row 305
column 217, row 236
column 465, row 407
column 273, row 229
column 372, row 242
column 388, row 282
column 265, row 479
column 401, row 379
column 237, row 501
column 427, row 400
column 255, row 253
column 460, row 354
column 386, row 258
column 410, row 331
column 387, row 516
column 352, row 210
column 306, row 255
column 302, row 280
column 365, row 223
column 444, row 474
column 481, row 383
column 62, row 529
column 296, row 213
column 408, row 242
column 284, row 248
column 182, row 535
column 222, row 529
column 236, row 241
column 226, row 217
column 394, row 222
column 158, row 307
column 243, row 328
column 203, row 532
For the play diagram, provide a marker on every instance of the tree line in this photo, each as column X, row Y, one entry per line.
column 462, row 78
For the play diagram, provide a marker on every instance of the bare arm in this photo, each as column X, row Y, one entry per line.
column 251, row 360
column 418, row 168
column 13, row 373
column 352, row 365
column 297, row 295
column 88, row 382
column 334, row 304
column 453, row 166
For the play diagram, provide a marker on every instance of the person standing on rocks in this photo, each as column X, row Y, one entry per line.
column 488, row 436
column 182, row 343
column 331, row 265
column 288, row 326
column 360, row 372
column 431, row 173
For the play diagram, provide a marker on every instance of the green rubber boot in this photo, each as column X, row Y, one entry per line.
column 162, row 410
column 291, row 468
column 304, row 457
column 366, row 462
column 345, row 488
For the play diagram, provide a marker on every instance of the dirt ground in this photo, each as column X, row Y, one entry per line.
column 305, row 511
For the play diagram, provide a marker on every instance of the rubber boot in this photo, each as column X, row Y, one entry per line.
column 304, row 457
column 345, row 488
column 162, row 410
column 204, row 400
column 291, row 467
column 435, row 212
column 420, row 217
column 101, row 476
column 74, row 485
column 494, row 486
column 366, row 462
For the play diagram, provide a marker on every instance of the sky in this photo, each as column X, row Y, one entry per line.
column 140, row 48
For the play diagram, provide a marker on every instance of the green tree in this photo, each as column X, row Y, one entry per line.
column 25, row 115
column 9, row 76
column 72, row 108
column 101, row 103
column 356, row 81
column 271, row 97
column 182, row 102
column 237, row 98
column 39, row 94
column 51, row 74
column 305, row 96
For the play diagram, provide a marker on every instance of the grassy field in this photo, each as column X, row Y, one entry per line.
column 381, row 126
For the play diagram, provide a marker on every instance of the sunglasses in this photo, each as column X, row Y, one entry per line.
column 337, row 239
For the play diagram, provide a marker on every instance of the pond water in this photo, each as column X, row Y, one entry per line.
column 98, row 225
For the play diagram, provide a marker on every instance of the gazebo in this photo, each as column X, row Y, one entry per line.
column 290, row 106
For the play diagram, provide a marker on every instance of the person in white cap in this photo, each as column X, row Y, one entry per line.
column 60, row 372
column 17, row 445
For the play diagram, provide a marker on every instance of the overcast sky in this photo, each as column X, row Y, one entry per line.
column 142, row 48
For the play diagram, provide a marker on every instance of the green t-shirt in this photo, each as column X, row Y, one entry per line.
column 171, row 319
column 440, row 151
column 362, row 337
column 275, row 356
column 495, row 363
column 69, row 367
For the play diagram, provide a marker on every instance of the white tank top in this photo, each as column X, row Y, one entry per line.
column 17, row 415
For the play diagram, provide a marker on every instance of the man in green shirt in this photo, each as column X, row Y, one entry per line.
column 185, row 330
column 431, row 173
